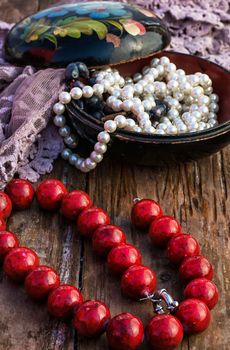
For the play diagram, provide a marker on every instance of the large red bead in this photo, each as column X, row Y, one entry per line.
column 41, row 281
column 144, row 212
column 2, row 224
column 63, row 301
column 90, row 219
column 5, row 205
column 138, row 282
column 8, row 241
column 181, row 247
column 19, row 263
column 164, row 332
column 195, row 267
column 163, row 229
column 91, row 318
column 107, row 237
column 194, row 316
column 73, row 203
column 125, row 332
column 122, row 257
column 204, row 290
column 21, row 193
column 50, row 193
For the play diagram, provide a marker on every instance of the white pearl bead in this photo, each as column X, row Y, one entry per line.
column 110, row 126
column 193, row 108
column 103, row 137
column 138, row 88
column 162, row 126
column 64, row 97
column 100, row 147
column 137, row 129
column 147, row 104
column 106, row 84
column 96, row 157
column 78, row 163
column 193, row 126
column 122, row 82
column 185, row 87
column 90, row 164
column 160, row 69
column 137, row 108
column 121, row 121
column 203, row 100
column 76, row 93
column 87, row 91
column 214, row 98
column 149, row 78
column 203, row 110
column 178, row 95
column 197, row 115
column 110, row 100
column 127, row 105
column 149, row 89
column 212, row 115
column 171, row 129
column 98, row 89
column 137, row 77
column 130, row 124
column 170, row 68
column 201, row 126
column 197, row 91
column 208, row 90
column 116, row 105
column 59, row 120
column 154, row 62
column 173, row 85
column 117, row 93
column 83, row 168
column 59, row 108
column 193, row 80
column 145, row 124
column 173, row 113
column 160, row 132
column 145, row 70
column 150, row 130
column 164, row 60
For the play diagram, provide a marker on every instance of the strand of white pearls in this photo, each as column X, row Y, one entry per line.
column 192, row 106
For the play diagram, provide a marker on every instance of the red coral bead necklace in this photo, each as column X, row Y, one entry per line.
column 92, row 317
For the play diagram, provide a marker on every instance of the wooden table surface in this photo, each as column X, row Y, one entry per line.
column 196, row 193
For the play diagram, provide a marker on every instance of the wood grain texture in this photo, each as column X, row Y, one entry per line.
column 196, row 193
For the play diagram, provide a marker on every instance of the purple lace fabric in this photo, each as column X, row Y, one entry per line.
column 29, row 142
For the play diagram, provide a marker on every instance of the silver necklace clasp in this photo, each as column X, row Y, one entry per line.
column 162, row 296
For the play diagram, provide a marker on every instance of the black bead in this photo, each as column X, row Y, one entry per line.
column 107, row 110
column 79, row 84
column 92, row 81
column 72, row 71
column 83, row 70
column 79, row 103
column 94, row 103
column 98, row 115
column 159, row 110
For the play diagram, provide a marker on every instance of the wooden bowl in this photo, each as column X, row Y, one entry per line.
column 160, row 150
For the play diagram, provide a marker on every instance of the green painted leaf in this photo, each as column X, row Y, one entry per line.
column 73, row 33
column 115, row 24
column 51, row 38
column 99, row 27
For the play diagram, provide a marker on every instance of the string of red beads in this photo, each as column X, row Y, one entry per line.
column 92, row 317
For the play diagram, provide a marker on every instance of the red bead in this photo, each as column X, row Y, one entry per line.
column 73, row 203
column 63, row 301
column 181, row 247
column 204, row 290
column 90, row 219
column 50, row 193
column 125, row 332
column 164, row 332
column 41, row 281
column 91, row 318
column 163, row 229
column 2, row 224
column 21, row 193
column 194, row 316
column 144, row 212
column 19, row 263
column 107, row 237
column 138, row 281
column 8, row 241
column 5, row 205
column 122, row 257
column 195, row 267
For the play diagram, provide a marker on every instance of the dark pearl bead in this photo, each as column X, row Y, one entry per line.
column 195, row 267
column 122, row 257
column 94, row 103
column 21, row 193
column 107, row 110
column 125, row 332
column 5, row 205
column 164, row 332
column 159, row 110
column 107, row 237
column 204, row 290
column 138, row 282
column 92, row 81
column 91, row 318
column 8, row 241
column 63, row 301
column 163, row 229
column 40, row 282
column 98, row 115
column 90, row 219
column 144, row 212
column 83, row 70
column 181, row 247
column 73, row 203
column 194, row 316
column 2, row 224
column 78, row 104
column 71, row 71
column 50, row 193
column 19, row 263
column 79, row 84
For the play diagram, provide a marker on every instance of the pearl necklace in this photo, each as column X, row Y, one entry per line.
column 180, row 104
